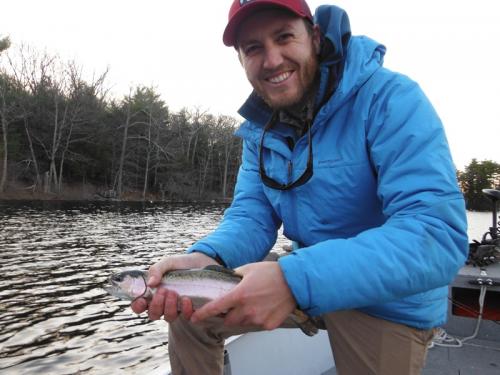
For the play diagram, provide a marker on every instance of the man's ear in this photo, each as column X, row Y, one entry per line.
column 316, row 35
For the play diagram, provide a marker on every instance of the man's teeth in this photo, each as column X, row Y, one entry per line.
column 280, row 78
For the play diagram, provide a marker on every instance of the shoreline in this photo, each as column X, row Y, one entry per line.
column 93, row 194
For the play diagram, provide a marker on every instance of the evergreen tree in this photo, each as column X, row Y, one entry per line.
column 478, row 176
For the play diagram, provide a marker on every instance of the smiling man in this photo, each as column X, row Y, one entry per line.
column 279, row 54
column 352, row 160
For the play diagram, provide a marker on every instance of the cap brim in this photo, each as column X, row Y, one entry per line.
column 231, row 30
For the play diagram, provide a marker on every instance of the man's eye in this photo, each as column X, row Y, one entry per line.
column 284, row 37
column 250, row 49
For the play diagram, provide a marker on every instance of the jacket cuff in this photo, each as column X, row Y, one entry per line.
column 208, row 251
column 293, row 272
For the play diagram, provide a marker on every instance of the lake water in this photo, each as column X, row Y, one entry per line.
column 54, row 259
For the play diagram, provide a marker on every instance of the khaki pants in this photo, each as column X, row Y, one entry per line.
column 361, row 344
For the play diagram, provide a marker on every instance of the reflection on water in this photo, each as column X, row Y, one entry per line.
column 55, row 257
column 54, row 317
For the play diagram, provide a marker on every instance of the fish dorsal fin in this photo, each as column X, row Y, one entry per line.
column 219, row 268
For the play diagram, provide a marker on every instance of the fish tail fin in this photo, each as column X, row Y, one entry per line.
column 304, row 322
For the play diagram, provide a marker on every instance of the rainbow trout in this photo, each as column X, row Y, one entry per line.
column 200, row 285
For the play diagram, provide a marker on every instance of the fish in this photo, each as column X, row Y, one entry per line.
column 200, row 285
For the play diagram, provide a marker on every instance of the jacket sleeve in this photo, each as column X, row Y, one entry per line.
column 423, row 242
column 249, row 227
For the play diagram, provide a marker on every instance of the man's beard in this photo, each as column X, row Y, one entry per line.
column 309, row 75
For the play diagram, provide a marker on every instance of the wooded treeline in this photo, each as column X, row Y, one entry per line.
column 61, row 130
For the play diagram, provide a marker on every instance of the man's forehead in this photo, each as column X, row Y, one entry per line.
column 267, row 21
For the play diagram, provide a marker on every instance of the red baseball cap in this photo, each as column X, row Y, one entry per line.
column 241, row 9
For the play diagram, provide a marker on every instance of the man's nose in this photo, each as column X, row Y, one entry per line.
column 272, row 58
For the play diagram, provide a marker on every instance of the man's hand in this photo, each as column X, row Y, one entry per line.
column 164, row 302
column 262, row 298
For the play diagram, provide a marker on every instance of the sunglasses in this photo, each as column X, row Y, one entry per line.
column 306, row 176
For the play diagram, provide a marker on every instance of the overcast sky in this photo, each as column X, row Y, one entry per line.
column 449, row 47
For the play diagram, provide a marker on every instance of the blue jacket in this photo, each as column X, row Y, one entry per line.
column 382, row 221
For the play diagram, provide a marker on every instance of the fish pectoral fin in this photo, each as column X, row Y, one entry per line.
column 304, row 322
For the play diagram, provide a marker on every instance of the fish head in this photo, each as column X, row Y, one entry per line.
column 128, row 285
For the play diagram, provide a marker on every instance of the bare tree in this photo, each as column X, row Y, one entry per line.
column 126, row 125
column 4, row 114
column 227, row 138
column 78, row 103
column 28, row 69
column 8, row 111
column 210, row 130
column 197, row 118
column 34, row 72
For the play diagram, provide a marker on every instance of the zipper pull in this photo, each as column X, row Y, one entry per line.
column 290, row 169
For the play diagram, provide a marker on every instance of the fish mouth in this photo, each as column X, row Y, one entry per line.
column 112, row 285
column 112, row 290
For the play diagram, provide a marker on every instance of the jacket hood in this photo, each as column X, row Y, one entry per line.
column 336, row 32
column 348, row 61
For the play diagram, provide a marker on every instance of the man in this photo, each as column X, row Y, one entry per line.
column 352, row 159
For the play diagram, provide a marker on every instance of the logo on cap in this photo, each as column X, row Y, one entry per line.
column 243, row 2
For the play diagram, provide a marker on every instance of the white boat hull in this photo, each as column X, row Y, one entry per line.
column 278, row 352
